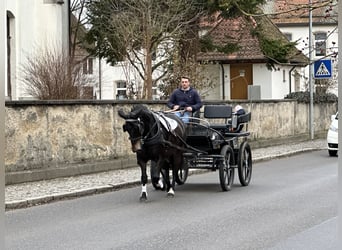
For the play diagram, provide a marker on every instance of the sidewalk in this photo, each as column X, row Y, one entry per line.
column 39, row 192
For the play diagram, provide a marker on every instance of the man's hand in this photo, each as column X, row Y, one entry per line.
column 176, row 107
column 188, row 109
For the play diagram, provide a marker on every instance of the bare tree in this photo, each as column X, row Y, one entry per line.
column 140, row 32
column 50, row 74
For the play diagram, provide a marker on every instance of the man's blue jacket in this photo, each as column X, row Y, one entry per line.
column 185, row 98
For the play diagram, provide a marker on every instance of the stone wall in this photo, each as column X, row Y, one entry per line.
column 52, row 134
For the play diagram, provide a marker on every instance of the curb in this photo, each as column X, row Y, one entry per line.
column 64, row 196
column 271, row 157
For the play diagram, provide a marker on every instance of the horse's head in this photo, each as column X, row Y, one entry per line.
column 135, row 125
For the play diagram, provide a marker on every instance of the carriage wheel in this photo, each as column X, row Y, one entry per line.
column 155, row 174
column 182, row 173
column 245, row 164
column 226, row 170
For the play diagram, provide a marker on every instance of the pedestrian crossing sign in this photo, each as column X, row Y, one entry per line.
column 323, row 69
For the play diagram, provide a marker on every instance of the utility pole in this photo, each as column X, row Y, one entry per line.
column 339, row 231
column 310, row 74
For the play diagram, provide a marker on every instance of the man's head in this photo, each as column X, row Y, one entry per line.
column 185, row 82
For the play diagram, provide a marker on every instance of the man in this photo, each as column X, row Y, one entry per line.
column 185, row 99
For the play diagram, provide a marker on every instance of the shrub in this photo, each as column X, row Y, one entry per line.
column 304, row 97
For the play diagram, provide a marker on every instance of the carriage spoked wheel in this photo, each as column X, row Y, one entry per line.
column 245, row 163
column 182, row 173
column 226, row 170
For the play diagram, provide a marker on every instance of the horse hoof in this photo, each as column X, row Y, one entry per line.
column 170, row 195
column 143, row 197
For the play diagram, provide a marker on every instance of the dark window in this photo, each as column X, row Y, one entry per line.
column 88, row 66
column 320, row 43
column 121, row 84
column 288, row 36
column 54, row 1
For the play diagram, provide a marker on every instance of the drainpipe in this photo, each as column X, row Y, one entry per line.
column 222, row 72
column 69, row 27
column 100, row 78
column 290, row 80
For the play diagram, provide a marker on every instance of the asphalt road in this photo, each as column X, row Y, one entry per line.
column 286, row 198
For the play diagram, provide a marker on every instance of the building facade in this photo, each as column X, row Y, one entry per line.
column 292, row 17
column 32, row 26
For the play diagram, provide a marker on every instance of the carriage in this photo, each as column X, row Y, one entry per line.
column 217, row 140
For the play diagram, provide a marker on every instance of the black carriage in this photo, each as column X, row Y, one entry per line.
column 218, row 141
column 215, row 141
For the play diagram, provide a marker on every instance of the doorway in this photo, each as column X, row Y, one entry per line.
column 241, row 75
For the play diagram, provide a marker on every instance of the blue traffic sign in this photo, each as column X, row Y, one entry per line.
column 323, row 69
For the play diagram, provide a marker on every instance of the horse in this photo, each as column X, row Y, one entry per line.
column 155, row 137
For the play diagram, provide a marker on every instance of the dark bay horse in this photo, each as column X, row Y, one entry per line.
column 155, row 137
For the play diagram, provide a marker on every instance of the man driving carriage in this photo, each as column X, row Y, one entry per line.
column 185, row 100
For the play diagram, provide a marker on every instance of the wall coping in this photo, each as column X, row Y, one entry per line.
column 115, row 102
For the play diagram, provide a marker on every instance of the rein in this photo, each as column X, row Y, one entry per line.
column 154, row 138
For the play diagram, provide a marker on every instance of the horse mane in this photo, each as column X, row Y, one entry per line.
column 139, row 110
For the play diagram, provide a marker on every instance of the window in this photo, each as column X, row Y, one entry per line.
column 54, row 1
column 320, row 43
column 288, row 36
column 155, row 95
column 121, row 84
column 88, row 66
column 121, row 90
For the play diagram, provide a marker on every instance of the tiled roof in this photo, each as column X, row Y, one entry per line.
column 234, row 31
column 297, row 11
column 239, row 31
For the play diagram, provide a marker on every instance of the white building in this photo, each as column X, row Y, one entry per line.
column 244, row 74
column 34, row 25
column 31, row 26
column 292, row 18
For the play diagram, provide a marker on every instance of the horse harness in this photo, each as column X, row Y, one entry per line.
column 158, row 138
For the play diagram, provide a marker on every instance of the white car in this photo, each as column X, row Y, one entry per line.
column 332, row 137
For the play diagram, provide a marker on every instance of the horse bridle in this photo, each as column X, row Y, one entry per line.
column 140, row 128
column 144, row 139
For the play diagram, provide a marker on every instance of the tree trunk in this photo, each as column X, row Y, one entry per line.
column 148, row 77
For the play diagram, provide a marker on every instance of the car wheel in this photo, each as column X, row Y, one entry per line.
column 332, row 152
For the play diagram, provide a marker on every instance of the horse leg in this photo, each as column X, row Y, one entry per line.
column 167, row 179
column 143, row 196
column 155, row 175
column 177, row 162
column 171, row 192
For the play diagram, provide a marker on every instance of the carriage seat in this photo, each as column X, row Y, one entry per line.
column 219, row 112
column 238, row 122
column 233, row 123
